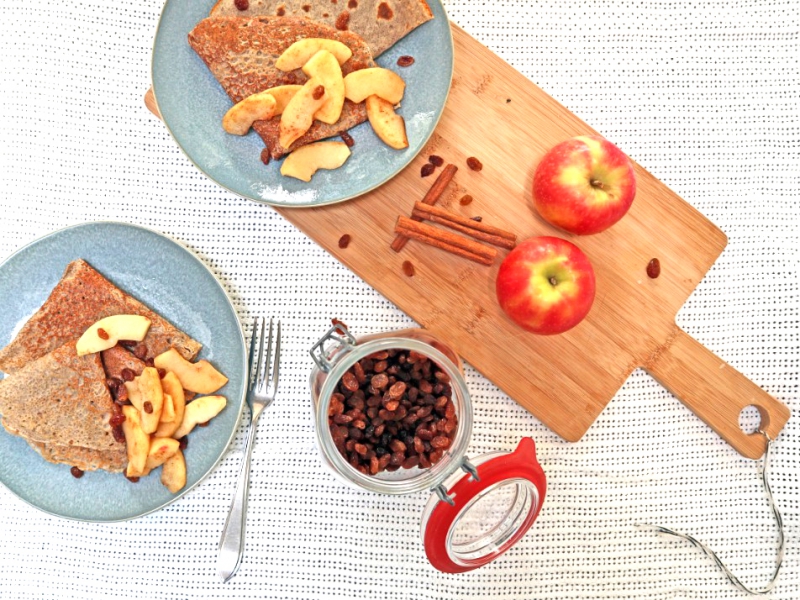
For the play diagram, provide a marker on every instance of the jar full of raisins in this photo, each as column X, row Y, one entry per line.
column 393, row 416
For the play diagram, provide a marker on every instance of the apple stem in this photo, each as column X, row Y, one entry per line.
column 596, row 183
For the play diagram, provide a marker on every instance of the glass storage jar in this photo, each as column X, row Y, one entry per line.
column 480, row 508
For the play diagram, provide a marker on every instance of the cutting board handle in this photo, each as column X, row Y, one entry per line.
column 716, row 392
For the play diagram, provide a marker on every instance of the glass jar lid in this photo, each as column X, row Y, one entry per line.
column 481, row 514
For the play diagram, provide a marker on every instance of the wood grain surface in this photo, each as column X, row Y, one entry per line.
column 497, row 115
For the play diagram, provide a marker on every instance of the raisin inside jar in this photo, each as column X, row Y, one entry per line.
column 393, row 410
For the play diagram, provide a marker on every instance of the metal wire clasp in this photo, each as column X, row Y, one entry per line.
column 338, row 333
column 710, row 553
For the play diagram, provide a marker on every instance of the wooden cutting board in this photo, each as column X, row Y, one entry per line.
column 497, row 115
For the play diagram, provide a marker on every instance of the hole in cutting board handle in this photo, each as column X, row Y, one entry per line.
column 750, row 418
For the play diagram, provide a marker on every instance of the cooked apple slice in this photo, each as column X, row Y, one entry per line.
column 199, row 411
column 173, row 472
column 306, row 160
column 134, row 395
column 299, row 53
column 152, row 398
column 374, row 81
column 136, row 440
column 161, row 449
column 200, row 377
column 387, row 124
column 240, row 116
column 324, row 67
column 172, row 388
column 298, row 115
column 105, row 333
column 167, row 411
column 282, row 95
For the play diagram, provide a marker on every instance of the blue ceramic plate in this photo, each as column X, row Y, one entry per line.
column 173, row 282
column 192, row 104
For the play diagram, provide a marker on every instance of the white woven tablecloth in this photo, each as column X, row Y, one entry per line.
column 704, row 95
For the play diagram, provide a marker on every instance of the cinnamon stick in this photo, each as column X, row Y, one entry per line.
column 466, row 221
column 432, row 197
column 503, row 239
column 445, row 240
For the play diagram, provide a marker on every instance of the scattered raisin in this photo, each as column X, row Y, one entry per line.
column 437, row 161
column 427, row 169
column 140, row 351
column 653, row 268
column 265, row 156
column 119, row 435
column 405, row 61
column 408, row 268
column 347, row 139
column 242, row 4
column 344, row 241
column 76, row 472
column 183, row 442
column 465, row 199
column 474, row 164
column 127, row 374
column 341, row 327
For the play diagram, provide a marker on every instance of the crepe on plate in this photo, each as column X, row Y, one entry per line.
column 241, row 52
column 380, row 23
column 60, row 404
column 82, row 297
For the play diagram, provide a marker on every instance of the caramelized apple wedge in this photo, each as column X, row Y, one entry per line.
column 200, row 377
column 199, row 411
column 152, row 398
column 387, row 124
column 172, row 388
column 173, row 472
column 282, row 95
column 106, row 332
column 374, row 81
column 256, row 107
column 298, row 116
column 161, row 449
column 299, row 53
column 323, row 66
column 136, row 440
column 307, row 160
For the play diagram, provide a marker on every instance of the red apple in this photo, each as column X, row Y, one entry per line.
column 584, row 185
column 546, row 285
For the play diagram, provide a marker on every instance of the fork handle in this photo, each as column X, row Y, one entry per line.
column 231, row 544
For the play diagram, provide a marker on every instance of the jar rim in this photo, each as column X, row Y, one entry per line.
column 429, row 478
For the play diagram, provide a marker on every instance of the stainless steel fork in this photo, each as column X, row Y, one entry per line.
column 263, row 384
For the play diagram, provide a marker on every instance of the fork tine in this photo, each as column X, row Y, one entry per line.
column 263, row 361
column 276, row 359
column 256, row 351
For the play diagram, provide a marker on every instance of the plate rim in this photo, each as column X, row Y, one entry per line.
column 279, row 204
column 240, row 338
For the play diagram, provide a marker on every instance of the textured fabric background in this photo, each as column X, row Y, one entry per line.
column 704, row 95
